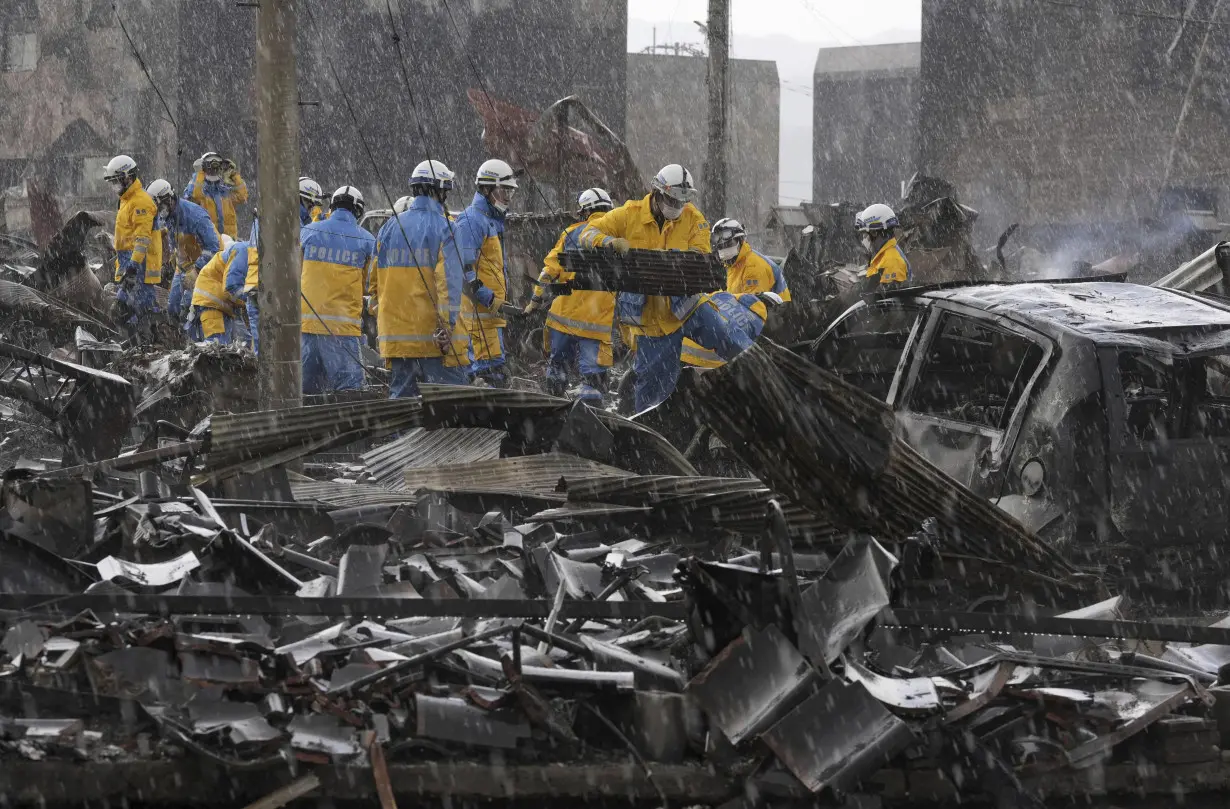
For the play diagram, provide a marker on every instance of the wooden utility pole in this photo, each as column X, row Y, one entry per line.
column 277, row 132
column 719, row 103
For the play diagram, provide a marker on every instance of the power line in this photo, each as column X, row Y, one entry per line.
column 829, row 22
column 1149, row 15
column 179, row 149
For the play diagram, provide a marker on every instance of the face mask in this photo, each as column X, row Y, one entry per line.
column 117, row 186
column 213, row 178
column 867, row 243
column 670, row 211
column 728, row 253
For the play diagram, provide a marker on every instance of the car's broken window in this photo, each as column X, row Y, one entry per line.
column 1175, row 398
column 866, row 347
column 974, row 373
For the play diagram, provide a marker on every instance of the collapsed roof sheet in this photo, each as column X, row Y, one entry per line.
column 420, row 448
column 530, row 473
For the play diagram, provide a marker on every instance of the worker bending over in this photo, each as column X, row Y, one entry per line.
column 416, row 290
column 337, row 258
column 664, row 220
column 480, row 236
column 877, row 228
column 213, row 308
column 579, row 322
column 218, row 188
column 752, row 279
column 138, row 247
column 193, row 238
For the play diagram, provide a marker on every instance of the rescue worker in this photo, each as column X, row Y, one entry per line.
column 755, row 280
column 877, row 228
column 218, row 187
column 579, row 322
column 311, row 201
column 242, row 279
column 479, row 231
column 338, row 256
column 416, row 291
column 213, row 308
column 665, row 219
column 138, row 247
column 193, row 239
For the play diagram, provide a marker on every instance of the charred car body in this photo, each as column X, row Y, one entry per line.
column 1098, row 413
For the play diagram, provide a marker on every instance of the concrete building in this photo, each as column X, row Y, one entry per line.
column 667, row 122
column 73, row 94
column 864, row 136
column 1065, row 118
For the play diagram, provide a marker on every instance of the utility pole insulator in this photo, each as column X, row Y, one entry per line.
column 277, row 130
column 714, row 178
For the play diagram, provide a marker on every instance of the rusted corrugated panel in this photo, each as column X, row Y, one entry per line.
column 347, row 495
column 421, row 448
column 529, row 473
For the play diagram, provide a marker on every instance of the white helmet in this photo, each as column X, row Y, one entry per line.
column 727, row 238
column 594, row 199
column 675, row 182
column 876, row 217
column 161, row 192
column 121, row 170
column 310, row 192
column 402, row 205
column 433, row 173
column 495, row 174
column 348, row 197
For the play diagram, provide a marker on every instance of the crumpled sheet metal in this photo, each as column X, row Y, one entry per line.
column 455, row 720
column 420, row 448
column 528, row 473
column 837, row 737
column 851, row 593
column 752, row 683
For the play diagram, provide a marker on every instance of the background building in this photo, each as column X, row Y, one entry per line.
column 1064, row 118
column 864, row 135
column 73, row 94
column 667, row 122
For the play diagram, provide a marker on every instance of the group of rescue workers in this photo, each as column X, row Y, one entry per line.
column 438, row 284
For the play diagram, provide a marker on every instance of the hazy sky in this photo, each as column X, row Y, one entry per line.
column 788, row 32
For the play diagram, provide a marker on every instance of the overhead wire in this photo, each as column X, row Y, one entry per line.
column 1140, row 13
column 376, row 168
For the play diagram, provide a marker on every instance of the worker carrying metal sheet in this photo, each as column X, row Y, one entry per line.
column 579, row 322
column 665, row 219
column 480, row 236
column 416, row 291
column 754, row 280
column 338, row 256
column 877, row 229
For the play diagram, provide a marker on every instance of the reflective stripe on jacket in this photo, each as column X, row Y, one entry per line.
column 219, row 200
column 210, row 290
column 417, row 285
column 479, row 232
column 652, row 315
column 338, row 256
column 583, row 313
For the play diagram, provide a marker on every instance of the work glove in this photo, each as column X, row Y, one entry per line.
column 619, row 245
column 444, row 340
column 534, row 305
column 770, row 298
column 478, row 293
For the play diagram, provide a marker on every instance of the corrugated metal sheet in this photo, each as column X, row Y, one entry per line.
column 16, row 298
column 529, row 473
column 347, row 495
column 421, row 448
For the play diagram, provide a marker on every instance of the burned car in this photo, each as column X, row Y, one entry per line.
column 1096, row 413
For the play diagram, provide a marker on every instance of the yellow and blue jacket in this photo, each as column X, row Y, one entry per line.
column 890, row 264
column 338, row 256
column 417, row 286
column 218, row 199
column 136, row 237
column 651, row 315
column 583, row 313
column 748, row 275
column 242, row 269
column 192, row 233
column 479, row 232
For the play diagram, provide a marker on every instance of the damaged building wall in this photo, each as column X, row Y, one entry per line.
column 865, row 128
column 201, row 56
column 668, row 122
column 1063, row 118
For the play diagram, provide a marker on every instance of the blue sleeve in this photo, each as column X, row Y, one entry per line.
column 469, row 240
column 573, row 240
column 237, row 273
column 189, row 188
column 629, row 307
column 175, row 298
column 203, row 229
